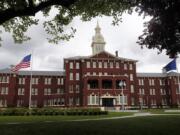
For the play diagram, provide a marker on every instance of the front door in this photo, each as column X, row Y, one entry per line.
column 108, row 102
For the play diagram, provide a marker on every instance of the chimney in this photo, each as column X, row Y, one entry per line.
column 116, row 52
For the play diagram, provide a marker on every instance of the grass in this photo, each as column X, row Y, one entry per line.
column 151, row 125
column 34, row 119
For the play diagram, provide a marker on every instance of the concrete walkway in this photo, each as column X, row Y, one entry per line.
column 123, row 117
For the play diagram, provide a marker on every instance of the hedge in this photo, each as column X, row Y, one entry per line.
column 51, row 111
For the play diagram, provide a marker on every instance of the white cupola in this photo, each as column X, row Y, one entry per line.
column 98, row 43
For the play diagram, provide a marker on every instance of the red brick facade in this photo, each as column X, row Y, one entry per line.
column 95, row 81
column 100, row 80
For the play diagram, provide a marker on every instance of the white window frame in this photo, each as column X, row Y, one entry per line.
column 94, row 64
column 71, row 65
column 77, row 76
column 77, row 65
column 117, row 64
column 71, row 76
column 105, row 64
column 88, row 64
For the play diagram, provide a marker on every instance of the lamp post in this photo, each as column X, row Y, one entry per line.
column 121, row 85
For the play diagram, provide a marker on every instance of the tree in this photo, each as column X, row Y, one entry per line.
column 161, row 32
column 16, row 16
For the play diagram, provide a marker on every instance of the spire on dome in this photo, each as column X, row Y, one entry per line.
column 98, row 40
column 98, row 29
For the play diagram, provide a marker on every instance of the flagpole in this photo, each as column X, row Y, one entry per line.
column 30, row 85
column 178, row 79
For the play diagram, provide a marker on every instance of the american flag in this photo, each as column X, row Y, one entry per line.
column 25, row 63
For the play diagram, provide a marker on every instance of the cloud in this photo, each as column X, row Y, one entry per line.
column 50, row 57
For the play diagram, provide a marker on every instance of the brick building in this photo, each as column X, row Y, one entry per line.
column 99, row 80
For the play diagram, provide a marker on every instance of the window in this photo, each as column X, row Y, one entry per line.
column 70, row 101
column 94, row 64
column 131, row 77
column 77, row 101
column 152, row 92
column 54, row 102
column 100, row 73
column 141, row 91
column 4, row 91
column 21, row 80
column 33, row 103
column 93, row 100
column 77, row 76
column 122, row 100
column 71, row 76
column 105, row 73
column 117, row 64
column 88, row 73
column 100, row 64
column 34, row 91
column 60, row 81
column 70, row 88
column 132, row 88
column 132, row 101
column 105, row 64
column 60, row 91
column 3, row 103
column 20, row 91
column 34, row 81
column 162, row 82
column 47, row 81
column 71, row 65
column 47, row 91
column 151, row 82
column 163, row 91
column 94, row 73
column 111, row 64
column 153, row 102
column 177, row 90
column 164, row 101
column 77, row 88
column 88, row 64
column 141, row 81
column 77, row 65
column 125, row 66
column 130, row 67
column 20, row 102
column 4, row 79
column 178, row 102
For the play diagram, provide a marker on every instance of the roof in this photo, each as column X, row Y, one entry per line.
column 90, row 56
column 42, row 73
column 151, row 75
column 157, row 74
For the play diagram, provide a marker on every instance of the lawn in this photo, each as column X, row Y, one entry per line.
column 149, row 125
column 34, row 119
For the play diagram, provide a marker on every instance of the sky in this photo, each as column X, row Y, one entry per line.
column 50, row 57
